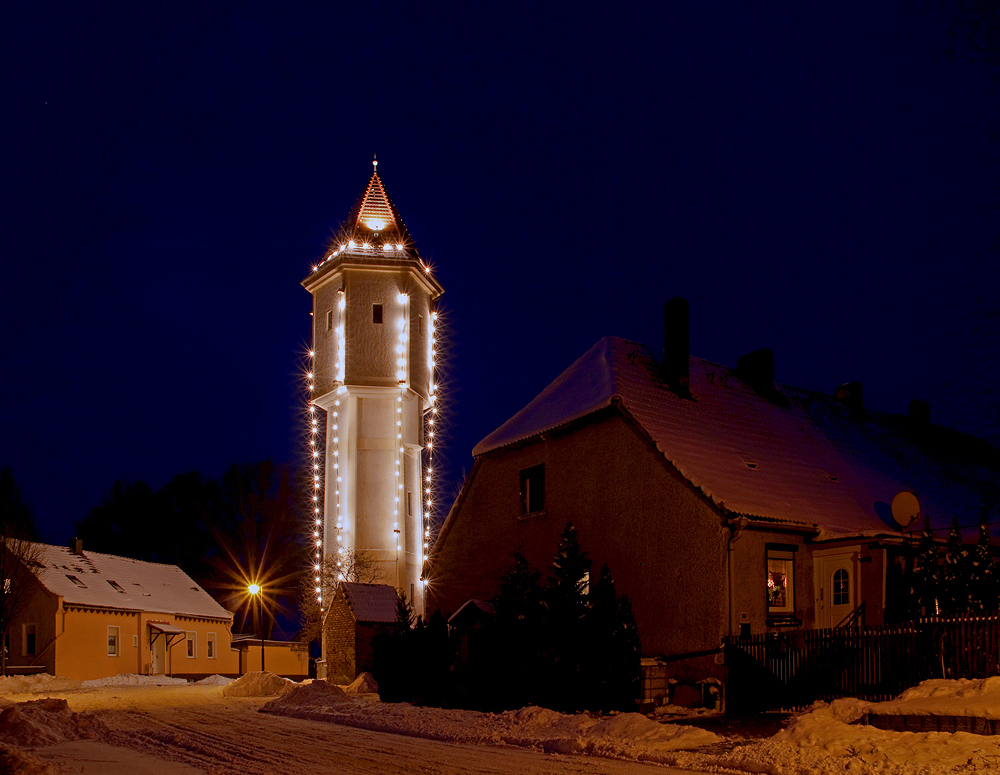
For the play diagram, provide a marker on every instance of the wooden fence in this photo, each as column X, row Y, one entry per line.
column 792, row 669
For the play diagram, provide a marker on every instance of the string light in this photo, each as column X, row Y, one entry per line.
column 317, row 479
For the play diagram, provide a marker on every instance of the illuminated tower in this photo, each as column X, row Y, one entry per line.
column 373, row 375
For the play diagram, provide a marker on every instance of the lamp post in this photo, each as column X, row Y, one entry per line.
column 256, row 591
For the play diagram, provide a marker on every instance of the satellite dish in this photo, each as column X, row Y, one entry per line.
column 905, row 509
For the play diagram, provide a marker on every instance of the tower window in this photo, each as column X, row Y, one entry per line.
column 329, row 320
column 533, row 489
column 409, row 504
column 420, row 324
column 377, row 314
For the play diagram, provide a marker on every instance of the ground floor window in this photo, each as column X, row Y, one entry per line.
column 28, row 640
column 191, row 649
column 210, row 645
column 113, row 643
column 780, row 581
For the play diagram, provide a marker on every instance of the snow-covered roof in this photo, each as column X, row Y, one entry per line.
column 371, row 602
column 811, row 462
column 107, row 581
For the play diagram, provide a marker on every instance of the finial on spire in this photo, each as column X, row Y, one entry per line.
column 374, row 162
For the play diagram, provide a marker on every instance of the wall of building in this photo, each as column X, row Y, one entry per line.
column 290, row 660
column 664, row 544
column 749, row 565
column 339, row 641
column 40, row 610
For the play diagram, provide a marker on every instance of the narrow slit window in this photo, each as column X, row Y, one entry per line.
column 377, row 314
column 329, row 320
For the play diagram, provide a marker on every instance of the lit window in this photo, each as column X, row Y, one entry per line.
column 533, row 489
column 210, row 645
column 28, row 639
column 191, row 651
column 841, row 587
column 377, row 314
column 113, row 635
column 780, row 581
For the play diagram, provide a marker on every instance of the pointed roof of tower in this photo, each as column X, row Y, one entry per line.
column 373, row 234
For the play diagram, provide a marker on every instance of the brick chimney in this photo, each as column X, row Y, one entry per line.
column 851, row 395
column 677, row 346
column 757, row 370
column 76, row 545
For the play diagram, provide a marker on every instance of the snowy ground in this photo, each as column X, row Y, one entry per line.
column 127, row 725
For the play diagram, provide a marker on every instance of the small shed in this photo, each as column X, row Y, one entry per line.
column 357, row 614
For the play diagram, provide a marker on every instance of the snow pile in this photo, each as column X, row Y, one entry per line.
column 310, row 695
column 258, row 684
column 940, row 697
column 14, row 761
column 214, row 680
column 132, row 679
column 39, row 682
column 626, row 735
column 363, row 684
column 828, row 729
column 45, row 722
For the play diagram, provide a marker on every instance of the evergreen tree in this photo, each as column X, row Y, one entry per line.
column 405, row 617
column 614, row 671
column 517, row 669
column 984, row 594
column 926, row 573
column 954, row 594
column 568, row 603
column 520, row 593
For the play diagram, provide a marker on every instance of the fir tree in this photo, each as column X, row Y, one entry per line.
column 405, row 618
column 567, row 599
column 926, row 573
column 614, row 670
column 520, row 593
column 954, row 590
column 984, row 595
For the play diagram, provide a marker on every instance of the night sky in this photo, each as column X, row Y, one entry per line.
column 820, row 179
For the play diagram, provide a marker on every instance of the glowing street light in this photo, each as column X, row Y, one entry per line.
column 255, row 590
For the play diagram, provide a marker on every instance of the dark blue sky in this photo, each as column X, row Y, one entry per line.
column 818, row 180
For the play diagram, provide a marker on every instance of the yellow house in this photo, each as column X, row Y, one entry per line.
column 96, row 615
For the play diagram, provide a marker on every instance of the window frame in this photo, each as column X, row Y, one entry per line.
column 115, row 635
column 29, row 630
column 191, row 646
column 211, row 646
column 784, row 554
column 378, row 315
column 531, row 485
column 845, row 592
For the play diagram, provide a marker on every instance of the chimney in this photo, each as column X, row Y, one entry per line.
column 851, row 395
column 920, row 413
column 76, row 545
column 676, row 346
column 757, row 370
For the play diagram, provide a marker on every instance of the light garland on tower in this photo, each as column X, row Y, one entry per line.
column 339, row 367
column 430, row 416
column 316, row 461
column 401, row 348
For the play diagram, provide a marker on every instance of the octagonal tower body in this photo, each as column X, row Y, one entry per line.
column 373, row 328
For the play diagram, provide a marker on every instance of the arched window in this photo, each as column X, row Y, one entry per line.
column 841, row 587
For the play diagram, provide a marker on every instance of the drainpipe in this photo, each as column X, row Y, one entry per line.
column 736, row 528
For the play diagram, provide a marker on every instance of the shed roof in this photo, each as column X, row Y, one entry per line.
column 811, row 462
column 107, row 581
column 371, row 602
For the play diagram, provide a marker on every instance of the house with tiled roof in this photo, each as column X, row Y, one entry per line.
column 723, row 502
column 91, row 615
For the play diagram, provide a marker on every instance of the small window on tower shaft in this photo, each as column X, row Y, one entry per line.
column 420, row 324
column 329, row 320
column 377, row 314
column 409, row 504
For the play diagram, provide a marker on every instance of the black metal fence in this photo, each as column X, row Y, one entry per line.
column 791, row 670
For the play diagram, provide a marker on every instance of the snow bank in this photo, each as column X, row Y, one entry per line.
column 310, row 695
column 132, row 679
column 258, row 684
column 45, row 722
column 627, row 735
column 40, row 682
column 940, row 697
column 14, row 761
column 828, row 728
column 363, row 684
column 214, row 680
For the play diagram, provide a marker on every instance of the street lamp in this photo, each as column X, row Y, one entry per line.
column 255, row 590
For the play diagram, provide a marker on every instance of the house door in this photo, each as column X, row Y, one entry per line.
column 159, row 649
column 836, row 583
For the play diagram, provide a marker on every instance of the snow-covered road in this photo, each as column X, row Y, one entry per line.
column 242, row 740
